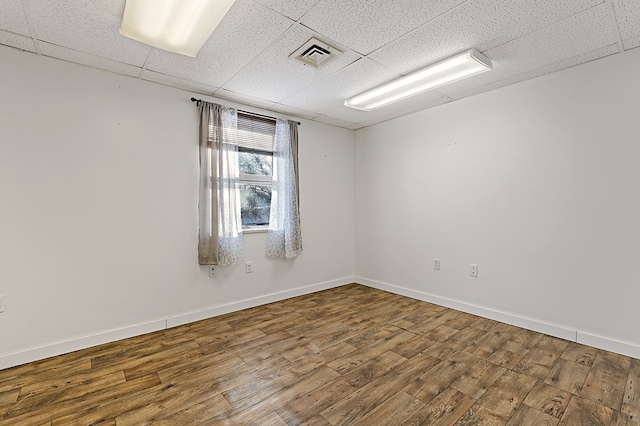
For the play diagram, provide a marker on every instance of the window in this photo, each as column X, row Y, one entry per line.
column 255, row 187
column 255, row 139
column 266, row 150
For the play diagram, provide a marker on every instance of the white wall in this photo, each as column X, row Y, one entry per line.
column 538, row 183
column 98, row 211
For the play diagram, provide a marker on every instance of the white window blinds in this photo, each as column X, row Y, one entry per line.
column 254, row 133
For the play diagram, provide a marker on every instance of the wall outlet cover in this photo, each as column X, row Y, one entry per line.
column 474, row 270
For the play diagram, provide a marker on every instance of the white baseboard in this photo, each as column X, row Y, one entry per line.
column 59, row 348
column 624, row 348
column 71, row 345
column 256, row 301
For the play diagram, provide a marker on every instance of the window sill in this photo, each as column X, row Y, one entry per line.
column 255, row 230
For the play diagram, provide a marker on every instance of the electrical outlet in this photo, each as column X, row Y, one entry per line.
column 1, row 304
column 248, row 267
column 436, row 264
column 474, row 270
column 212, row 271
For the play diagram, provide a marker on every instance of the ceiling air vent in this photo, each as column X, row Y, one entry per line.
column 315, row 53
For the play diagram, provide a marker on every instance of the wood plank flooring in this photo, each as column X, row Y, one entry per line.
column 346, row 356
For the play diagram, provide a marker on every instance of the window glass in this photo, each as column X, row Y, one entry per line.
column 255, row 163
column 255, row 203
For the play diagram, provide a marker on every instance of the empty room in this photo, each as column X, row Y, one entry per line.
column 319, row 212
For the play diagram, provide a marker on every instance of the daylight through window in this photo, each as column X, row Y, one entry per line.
column 255, row 140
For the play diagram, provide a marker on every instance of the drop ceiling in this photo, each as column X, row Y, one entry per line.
column 247, row 57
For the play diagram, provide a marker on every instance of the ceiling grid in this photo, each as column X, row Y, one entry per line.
column 246, row 59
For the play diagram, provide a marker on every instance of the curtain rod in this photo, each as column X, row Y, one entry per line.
column 197, row 101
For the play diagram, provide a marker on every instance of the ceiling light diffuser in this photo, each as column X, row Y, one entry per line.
column 179, row 26
column 453, row 69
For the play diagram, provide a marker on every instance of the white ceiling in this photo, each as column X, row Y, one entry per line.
column 246, row 58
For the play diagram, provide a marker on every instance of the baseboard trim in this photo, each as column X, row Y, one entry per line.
column 253, row 302
column 623, row 348
column 59, row 348
column 555, row 330
column 72, row 345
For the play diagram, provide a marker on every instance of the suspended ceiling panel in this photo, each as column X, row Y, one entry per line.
column 87, row 26
column 291, row 9
column 87, row 59
column 16, row 40
column 251, row 80
column 13, row 17
column 230, row 48
column 627, row 13
column 246, row 60
column 329, row 93
column 470, row 90
column 367, row 25
column 179, row 83
column 570, row 37
column 477, row 23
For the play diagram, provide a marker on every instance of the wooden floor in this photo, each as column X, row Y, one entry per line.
column 350, row 355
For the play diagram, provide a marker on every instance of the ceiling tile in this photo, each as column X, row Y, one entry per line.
column 628, row 17
column 261, row 103
column 90, row 60
column 631, row 42
column 329, row 93
column 242, row 98
column 333, row 121
column 480, row 24
column 295, row 112
column 167, row 80
column 291, row 9
column 581, row 33
column 89, row 26
column 17, row 41
column 246, row 59
column 546, row 69
column 367, row 25
column 13, row 18
column 262, row 77
column 246, row 30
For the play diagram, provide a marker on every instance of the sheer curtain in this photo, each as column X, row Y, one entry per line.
column 220, row 227
column 284, row 238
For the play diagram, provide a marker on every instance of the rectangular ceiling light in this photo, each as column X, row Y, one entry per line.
column 179, row 26
column 453, row 69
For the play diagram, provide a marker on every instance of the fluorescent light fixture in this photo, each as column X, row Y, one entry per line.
column 179, row 26
column 453, row 69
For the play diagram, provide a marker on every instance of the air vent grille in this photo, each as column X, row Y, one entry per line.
column 315, row 53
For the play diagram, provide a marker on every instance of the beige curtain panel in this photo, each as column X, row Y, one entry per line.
column 220, row 225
